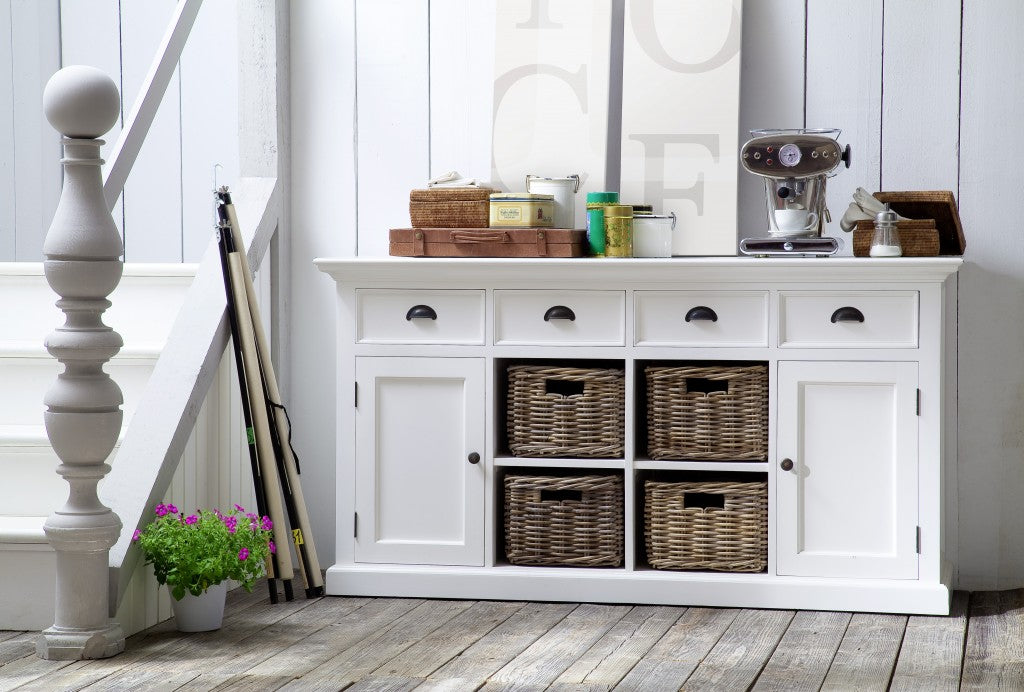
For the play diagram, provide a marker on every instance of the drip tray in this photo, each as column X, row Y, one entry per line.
column 769, row 247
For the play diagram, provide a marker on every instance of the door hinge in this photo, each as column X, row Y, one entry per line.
column 919, row 402
column 918, row 540
column 355, row 525
column 355, row 394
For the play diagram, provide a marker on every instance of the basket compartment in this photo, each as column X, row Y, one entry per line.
column 719, row 526
column 707, row 413
column 565, row 412
column 572, row 521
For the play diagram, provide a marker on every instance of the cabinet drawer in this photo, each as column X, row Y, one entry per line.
column 701, row 318
column 848, row 319
column 419, row 317
column 560, row 317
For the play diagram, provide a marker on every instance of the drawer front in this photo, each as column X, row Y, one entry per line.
column 569, row 318
column 419, row 317
column 701, row 318
column 848, row 319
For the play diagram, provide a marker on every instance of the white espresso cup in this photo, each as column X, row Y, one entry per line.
column 793, row 220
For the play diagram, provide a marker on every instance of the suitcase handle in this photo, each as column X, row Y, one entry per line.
column 459, row 237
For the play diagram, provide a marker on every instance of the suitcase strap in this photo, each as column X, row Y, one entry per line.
column 462, row 237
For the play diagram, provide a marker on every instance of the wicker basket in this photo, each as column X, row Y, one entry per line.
column 455, row 207
column 708, row 413
column 565, row 412
column 727, row 530
column 571, row 521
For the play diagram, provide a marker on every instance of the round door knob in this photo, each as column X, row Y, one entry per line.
column 474, row 458
column 787, row 464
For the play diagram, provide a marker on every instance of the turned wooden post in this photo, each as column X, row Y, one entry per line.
column 83, row 407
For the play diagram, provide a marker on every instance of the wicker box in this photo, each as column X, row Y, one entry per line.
column 571, row 521
column 719, row 526
column 708, row 413
column 450, row 207
column 565, row 412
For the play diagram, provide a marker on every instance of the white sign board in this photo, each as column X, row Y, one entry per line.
column 680, row 117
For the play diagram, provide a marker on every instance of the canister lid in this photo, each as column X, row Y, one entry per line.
column 520, row 197
column 643, row 209
column 618, row 210
column 602, row 197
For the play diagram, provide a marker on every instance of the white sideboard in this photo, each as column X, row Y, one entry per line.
column 861, row 358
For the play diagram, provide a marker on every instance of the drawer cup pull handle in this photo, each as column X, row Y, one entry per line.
column 847, row 314
column 420, row 312
column 701, row 312
column 559, row 312
column 787, row 464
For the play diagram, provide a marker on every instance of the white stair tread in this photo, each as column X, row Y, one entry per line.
column 148, row 350
column 23, row 436
column 22, row 530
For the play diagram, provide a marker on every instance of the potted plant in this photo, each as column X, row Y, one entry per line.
column 195, row 555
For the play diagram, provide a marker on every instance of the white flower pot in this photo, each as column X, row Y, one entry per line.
column 200, row 613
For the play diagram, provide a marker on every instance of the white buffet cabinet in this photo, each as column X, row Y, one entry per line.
column 861, row 357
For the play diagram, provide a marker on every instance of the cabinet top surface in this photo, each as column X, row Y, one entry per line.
column 676, row 270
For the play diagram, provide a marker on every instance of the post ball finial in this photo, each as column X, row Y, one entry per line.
column 81, row 102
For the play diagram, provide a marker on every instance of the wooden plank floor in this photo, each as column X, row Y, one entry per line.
column 381, row 644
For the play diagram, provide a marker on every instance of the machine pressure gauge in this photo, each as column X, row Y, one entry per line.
column 789, row 155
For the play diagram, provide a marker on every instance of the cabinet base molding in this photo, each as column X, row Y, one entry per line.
column 643, row 587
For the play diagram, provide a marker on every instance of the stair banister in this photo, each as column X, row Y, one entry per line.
column 83, row 408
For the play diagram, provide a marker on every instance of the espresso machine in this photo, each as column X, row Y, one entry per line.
column 795, row 165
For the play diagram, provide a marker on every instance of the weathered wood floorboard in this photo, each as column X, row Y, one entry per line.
column 932, row 654
column 867, row 654
column 742, row 652
column 394, row 644
column 802, row 658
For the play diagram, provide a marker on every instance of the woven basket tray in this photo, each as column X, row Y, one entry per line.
column 565, row 412
column 449, row 214
column 686, row 421
column 571, row 521
column 729, row 538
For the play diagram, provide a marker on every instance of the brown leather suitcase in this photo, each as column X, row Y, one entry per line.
column 492, row 242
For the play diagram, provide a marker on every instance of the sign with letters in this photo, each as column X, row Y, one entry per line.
column 552, row 61
column 680, row 117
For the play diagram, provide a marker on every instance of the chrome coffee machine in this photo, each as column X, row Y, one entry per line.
column 795, row 165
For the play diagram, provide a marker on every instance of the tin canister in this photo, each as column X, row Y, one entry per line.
column 618, row 228
column 596, row 203
column 652, row 235
column 522, row 210
column 563, row 190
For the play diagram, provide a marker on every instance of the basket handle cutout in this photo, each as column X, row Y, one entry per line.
column 561, row 495
column 563, row 387
column 704, row 385
column 703, row 501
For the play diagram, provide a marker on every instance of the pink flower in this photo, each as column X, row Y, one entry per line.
column 172, row 509
column 250, row 515
column 135, row 536
column 243, row 554
column 267, row 524
column 231, row 529
column 191, row 519
column 161, row 509
column 230, row 522
column 273, row 548
column 239, row 507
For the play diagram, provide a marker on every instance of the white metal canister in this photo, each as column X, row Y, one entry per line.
column 652, row 235
column 564, row 191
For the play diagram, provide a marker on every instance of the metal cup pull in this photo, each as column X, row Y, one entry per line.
column 559, row 312
column 421, row 312
column 701, row 312
column 847, row 313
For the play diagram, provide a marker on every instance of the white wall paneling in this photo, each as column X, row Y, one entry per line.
column 680, row 112
column 7, row 198
column 90, row 34
column 393, row 134
column 461, row 86
column 771, row 90
column 844, row 90
column 551, row 67
column 35, row 45
column 209, row 120
column 152, row 194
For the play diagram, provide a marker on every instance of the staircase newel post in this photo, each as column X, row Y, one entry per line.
column 83, row 407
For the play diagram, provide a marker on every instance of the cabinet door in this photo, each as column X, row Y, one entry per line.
column 848, row 506
column 418, row 498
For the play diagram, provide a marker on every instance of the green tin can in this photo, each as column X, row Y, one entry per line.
column 596, row 203
column 618, row 225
